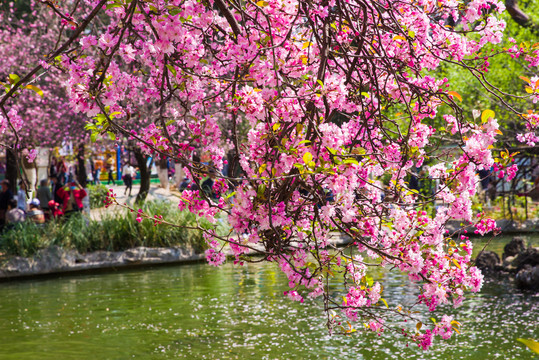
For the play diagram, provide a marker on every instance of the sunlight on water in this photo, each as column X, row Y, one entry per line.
column 199, row 312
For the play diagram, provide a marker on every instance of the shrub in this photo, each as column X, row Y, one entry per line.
column 97, row 194
column 111, row 233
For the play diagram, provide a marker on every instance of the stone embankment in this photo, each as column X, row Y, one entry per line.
column 506, row 226
column 518, row 260
column 55, row 260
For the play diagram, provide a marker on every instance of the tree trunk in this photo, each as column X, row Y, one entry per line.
column 144, row 176
column 519, row 16
column 11, row 170
column 81, row 168
column 162, row 172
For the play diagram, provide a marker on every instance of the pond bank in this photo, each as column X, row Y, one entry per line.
column 519, row 260
column 56, row 261
column 506, row 226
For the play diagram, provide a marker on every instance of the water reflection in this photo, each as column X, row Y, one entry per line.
column 199, row 312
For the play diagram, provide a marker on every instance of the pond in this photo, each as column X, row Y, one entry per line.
column 200, row 312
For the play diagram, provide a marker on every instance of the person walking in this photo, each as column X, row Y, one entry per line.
column 128, row 175
column 109, row 165
column 98, row 166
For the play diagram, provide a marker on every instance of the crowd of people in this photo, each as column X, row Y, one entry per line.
column 51, row 201
column 61, row 195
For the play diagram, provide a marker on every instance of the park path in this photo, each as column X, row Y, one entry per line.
column 156, row 193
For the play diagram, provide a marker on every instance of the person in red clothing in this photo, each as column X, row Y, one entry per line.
column 54, row 210
column 71, row 195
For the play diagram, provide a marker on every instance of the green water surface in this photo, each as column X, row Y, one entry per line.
column 201, row 312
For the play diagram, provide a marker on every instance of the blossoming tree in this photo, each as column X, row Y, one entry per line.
column 342, row 108
column 39, row 115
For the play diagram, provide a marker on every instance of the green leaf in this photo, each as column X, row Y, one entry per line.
column 36, row 89
column 14, row 78
column 100, row 119
column 171, row 69
column 93, row 137
column 531, row 344
column 261, row 190
column 350, row 161
column 112, row 135
column 369, row 280
column 307, row 157
column 359, row 151
column 113, row 5
column 486, row 115
column 320, row 82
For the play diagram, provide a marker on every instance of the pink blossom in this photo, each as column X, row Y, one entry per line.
column 32, row 154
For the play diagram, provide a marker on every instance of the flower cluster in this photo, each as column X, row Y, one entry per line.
column 110, row 199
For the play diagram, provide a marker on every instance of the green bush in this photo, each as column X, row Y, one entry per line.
column 97, row 194
column 22, row 239
column 112, row 233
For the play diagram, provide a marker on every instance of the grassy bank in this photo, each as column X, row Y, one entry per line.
column 110, row 233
